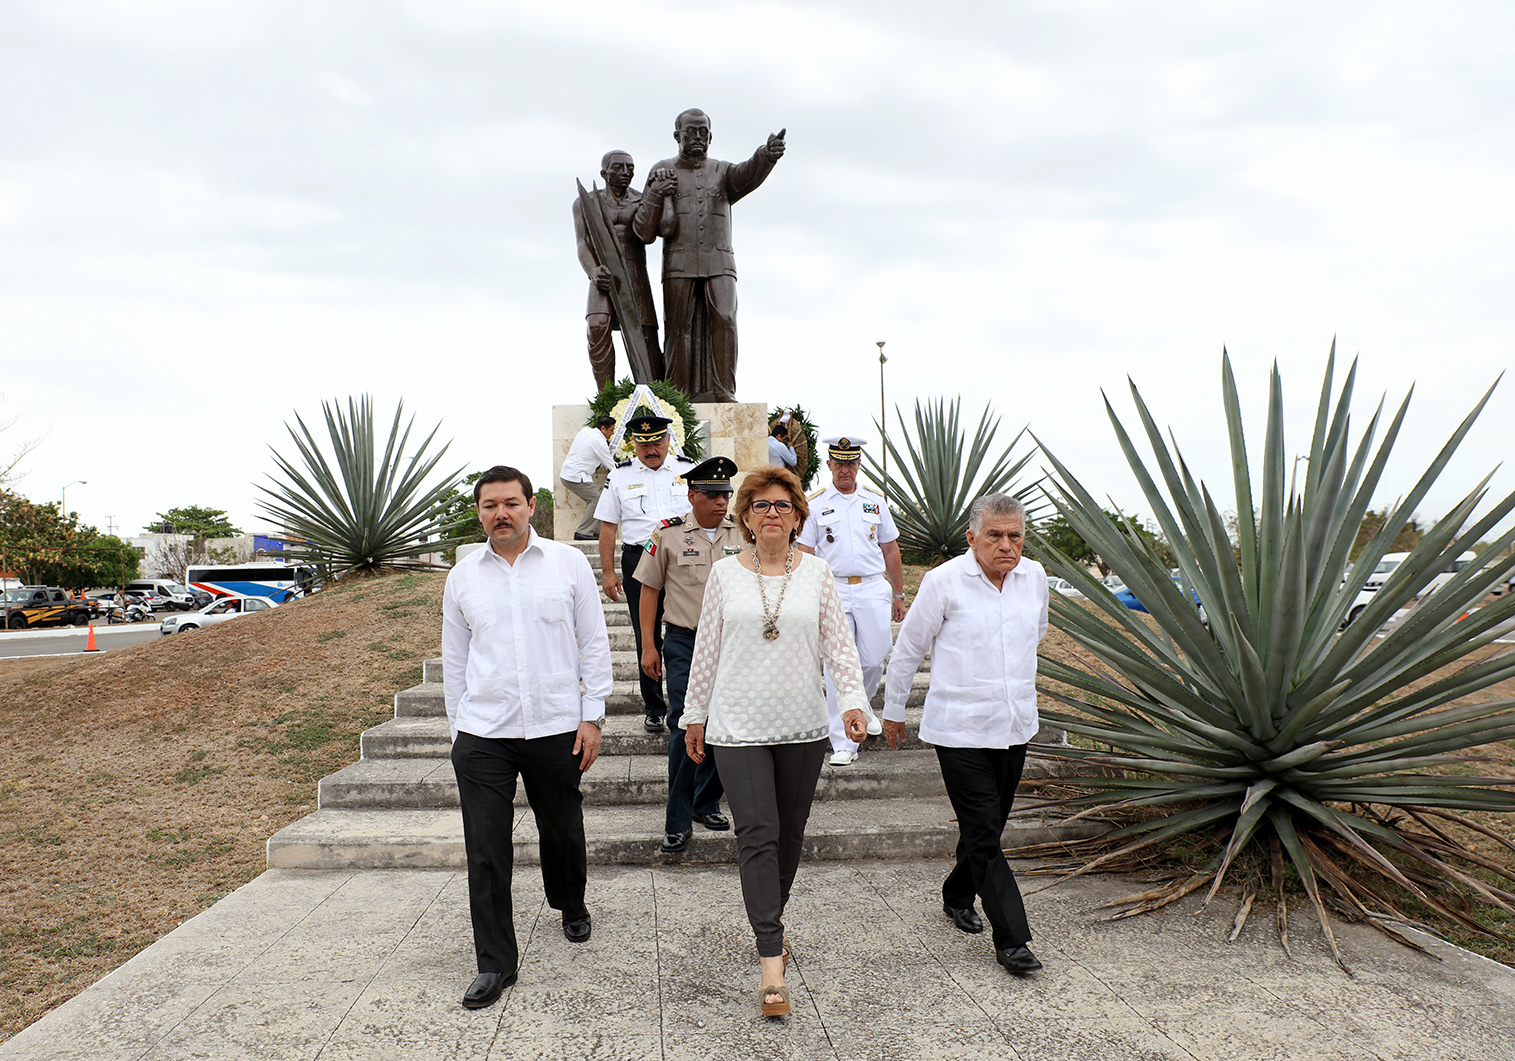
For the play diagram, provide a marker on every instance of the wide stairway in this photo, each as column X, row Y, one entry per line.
column 398, row 805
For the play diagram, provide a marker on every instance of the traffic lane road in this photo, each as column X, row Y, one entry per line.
column 64, row 640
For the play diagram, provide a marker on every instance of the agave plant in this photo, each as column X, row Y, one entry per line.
column 373, row 511
column 1271, row 731
column 929, row 495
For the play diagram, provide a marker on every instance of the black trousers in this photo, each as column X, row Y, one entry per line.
column 487, row 768
column 653, row 703
column 981, row 784
column 693, row 788
column 770, row 788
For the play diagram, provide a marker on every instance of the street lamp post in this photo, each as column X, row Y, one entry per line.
column 64, row 495
column 882, row 422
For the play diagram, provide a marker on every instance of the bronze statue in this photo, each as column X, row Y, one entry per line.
column 699, row 269
column 618, row 276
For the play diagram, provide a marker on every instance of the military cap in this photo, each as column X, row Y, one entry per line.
column 648, row 428
column 713, row 474
column 845, row 447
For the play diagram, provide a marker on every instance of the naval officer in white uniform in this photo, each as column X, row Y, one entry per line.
column 850, row 528
column 639, row 495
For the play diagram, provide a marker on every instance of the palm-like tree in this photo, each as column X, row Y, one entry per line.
column 373, row 511
column 1271, row 730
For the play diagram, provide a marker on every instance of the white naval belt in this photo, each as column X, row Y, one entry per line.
column 853, row 580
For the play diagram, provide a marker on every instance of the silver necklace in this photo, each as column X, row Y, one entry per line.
column 771, row 621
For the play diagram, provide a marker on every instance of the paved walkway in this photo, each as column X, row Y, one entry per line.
column 336, row 965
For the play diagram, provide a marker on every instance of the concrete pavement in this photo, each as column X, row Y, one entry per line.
column 370, row 964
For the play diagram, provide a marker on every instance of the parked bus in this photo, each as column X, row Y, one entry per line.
column 277, row 579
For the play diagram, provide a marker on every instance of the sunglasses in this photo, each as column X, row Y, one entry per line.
column 777, row 506
column 714, row 494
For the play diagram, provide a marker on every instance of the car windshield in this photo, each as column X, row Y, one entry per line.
column 1385, row 566
column 174, row 587
column 16, row 596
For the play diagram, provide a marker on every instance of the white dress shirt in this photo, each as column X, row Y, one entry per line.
column 779, row 453
column 640, row 498
column 589, row 453
column 982, row 642
column 516, row 640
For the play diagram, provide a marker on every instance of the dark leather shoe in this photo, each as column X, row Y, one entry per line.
column 716, row 822
column 1018, row 960
column 653, row 723
column 485, row 989
column 965, row 918
column 576, row 930
column 673, row 843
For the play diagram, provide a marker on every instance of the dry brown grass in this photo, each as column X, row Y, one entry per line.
column 140, row 785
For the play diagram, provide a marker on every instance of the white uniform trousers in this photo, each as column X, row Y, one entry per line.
column 867, row 605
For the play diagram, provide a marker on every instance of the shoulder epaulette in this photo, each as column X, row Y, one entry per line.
column 672, row 521
column 816, row 494
column 686, row 460
column 623, row 464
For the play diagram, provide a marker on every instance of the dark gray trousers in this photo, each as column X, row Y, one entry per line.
column 770, row 788
column 981, row 784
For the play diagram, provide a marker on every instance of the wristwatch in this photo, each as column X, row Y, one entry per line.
column 899, row 596
column 597, row 723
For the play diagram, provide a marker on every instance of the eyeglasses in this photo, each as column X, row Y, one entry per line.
column 777, row 506
column 714, row 494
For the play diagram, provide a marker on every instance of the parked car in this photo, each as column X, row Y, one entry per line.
column 1066, row 588
column 1114, row 584
column 219, row 612
column 43, row 605
column 1128, row 598
column 167, row 593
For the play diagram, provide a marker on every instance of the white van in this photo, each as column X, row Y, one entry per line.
column 1386, row 568
column 178, row 596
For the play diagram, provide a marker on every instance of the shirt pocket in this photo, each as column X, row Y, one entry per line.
column 553, row 606
column 479, row 608
column 634, row 501
column 558, row 693
column 694, row 566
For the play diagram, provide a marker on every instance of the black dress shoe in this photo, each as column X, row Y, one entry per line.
column 674, row 842
column 1018, row 960
column 486, row 988
column 576, row 929
column 965, row 918
column 716, row 822
column 653, row 723
column 586, row 537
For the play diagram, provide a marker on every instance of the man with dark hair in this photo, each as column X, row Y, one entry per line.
column 699, row 269
column 980, row 708
column 521, row 627
column 583, row 472
column 779, row 449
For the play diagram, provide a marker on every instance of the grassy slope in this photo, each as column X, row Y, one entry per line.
column 139, row 786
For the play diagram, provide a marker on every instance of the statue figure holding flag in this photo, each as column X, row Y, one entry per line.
column 615, row 260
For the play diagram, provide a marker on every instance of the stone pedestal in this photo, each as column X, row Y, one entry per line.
column 738, row 430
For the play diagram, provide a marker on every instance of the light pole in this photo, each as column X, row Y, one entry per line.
column 64, row 495
column 883, row 424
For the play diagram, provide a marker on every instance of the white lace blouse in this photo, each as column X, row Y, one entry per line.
column 749, row 690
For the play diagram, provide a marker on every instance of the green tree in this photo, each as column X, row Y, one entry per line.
column 1406, row 538
column 196, row 521
column 1059, row 533
column 44, row 547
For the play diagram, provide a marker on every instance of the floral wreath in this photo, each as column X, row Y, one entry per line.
column 659, row 398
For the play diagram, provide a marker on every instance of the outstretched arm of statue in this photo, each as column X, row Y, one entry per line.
column 745, row 176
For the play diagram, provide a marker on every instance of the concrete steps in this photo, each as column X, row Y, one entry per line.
column 398, row 805
column 628, row 834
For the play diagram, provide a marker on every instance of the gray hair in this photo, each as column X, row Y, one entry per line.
column 995, row 506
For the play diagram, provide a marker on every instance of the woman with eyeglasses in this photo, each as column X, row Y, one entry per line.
column 755, row 700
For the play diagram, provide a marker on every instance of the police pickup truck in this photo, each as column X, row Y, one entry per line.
column 41, row 605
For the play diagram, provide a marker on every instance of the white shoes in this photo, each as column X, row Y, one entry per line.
column 843, row 758
column 875, row 727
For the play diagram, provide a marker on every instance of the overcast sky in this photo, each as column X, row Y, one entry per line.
column 214, row 215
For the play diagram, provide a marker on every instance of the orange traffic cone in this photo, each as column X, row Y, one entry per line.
column 89, row 644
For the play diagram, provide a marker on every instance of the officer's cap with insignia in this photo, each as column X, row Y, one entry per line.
column 714, row 475
column 648, row 428
column 845, row 447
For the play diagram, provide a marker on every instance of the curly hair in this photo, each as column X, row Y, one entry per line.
column 758, row 481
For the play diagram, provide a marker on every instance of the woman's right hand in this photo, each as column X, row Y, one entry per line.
column 694, row 741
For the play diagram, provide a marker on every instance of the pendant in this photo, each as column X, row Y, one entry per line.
column 770, row 630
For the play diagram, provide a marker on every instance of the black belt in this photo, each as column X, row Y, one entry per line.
column 681, row 629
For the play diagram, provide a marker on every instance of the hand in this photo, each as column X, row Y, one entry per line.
column 602, row 278
column 857, row 725
column 897, row 610
column 694, row 741
column 775, row 145
column 612, row 584
column 661, row 183
column 652, row 666
column 894, row 733
column 587, row 740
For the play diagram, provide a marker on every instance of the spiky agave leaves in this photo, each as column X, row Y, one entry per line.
column 933, row 483
column 1270, row 728
column 371, row 511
